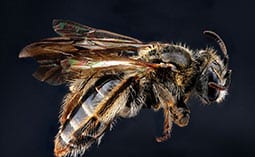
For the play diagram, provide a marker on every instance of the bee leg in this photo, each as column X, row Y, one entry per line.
column 180, row 114
column 167, row 126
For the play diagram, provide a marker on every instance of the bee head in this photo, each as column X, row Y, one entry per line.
column 215, row 77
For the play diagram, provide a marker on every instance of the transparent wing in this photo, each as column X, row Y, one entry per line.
column 72, row 29
column 93, row 38
column 55, row 55
column 83, row 49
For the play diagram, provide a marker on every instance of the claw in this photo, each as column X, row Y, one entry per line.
column 181, row 117
column 163, row 138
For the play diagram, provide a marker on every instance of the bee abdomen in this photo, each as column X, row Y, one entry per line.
column 83, row 126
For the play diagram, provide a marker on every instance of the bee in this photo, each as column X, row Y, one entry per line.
column 111, row 75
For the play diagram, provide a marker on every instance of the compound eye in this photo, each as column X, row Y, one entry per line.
column 213, row 93
column 212, row 77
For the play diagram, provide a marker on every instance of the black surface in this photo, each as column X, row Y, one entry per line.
column 29, row 108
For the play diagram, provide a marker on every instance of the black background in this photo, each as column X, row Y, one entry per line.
column 29, row 108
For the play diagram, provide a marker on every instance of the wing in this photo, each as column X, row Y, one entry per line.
column 94, row 38
column 77, row 42
column 60, row 61
column 75, row 30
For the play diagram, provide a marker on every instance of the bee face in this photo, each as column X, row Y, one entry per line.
column 214, row 81
column 215, row 77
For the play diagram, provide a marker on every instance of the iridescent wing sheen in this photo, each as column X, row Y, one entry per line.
column 78, row 42
column 93, row 38
column 61, row 60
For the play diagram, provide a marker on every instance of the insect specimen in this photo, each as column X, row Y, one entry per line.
column 111, row 75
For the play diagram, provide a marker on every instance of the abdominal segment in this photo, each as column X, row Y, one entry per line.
column 89, row 120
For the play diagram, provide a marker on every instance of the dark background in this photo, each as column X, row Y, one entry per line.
column 29, row 108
